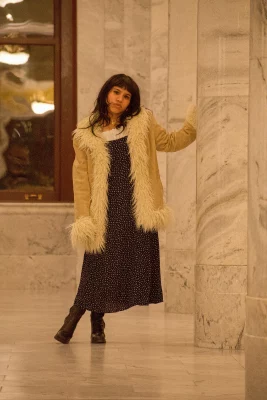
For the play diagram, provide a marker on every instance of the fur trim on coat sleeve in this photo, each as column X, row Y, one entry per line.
column 82, row 233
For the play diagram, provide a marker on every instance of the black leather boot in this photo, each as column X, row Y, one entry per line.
column 98, row 326
column 65, row 333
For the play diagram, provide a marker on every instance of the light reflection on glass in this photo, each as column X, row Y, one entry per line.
column 27, row 133
column 3, row 3
column 9, row 17
column 13, row 58
column 27, row 18
column 39, row 107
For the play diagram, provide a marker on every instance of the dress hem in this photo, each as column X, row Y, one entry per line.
column 81, row 305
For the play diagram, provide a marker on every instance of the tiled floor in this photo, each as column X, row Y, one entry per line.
column 149, row 355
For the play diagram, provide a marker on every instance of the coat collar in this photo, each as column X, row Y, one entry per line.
column 137, row 126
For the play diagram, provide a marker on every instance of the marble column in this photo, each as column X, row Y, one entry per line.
column 223, row 76
column 256, row 302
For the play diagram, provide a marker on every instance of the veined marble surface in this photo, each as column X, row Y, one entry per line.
column 181, row 194
column 137, row 42
column 113, row 37
column 220, row 306
column 222, row 181
column 221, row 278
column 258, row 29
column 220, row 320
column 257, row 207
column 40, row 272
column 256, row 302
column 158, row 94
column 35, row 229
column 179, row 281
column 35, row 250
column 181, row 166
column 223, row 37
column 90, row 53
column 223, row 76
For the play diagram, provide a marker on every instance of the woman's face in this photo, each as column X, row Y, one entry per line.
column 118, row 100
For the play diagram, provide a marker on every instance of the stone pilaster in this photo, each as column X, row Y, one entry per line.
column 256, row 303
column 223, row 76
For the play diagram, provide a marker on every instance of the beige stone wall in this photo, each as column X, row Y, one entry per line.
column 35, row 252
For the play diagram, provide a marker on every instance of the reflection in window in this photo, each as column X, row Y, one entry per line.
column 27, row 17
column 27, row 121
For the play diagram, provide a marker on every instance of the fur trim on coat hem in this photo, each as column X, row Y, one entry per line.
column 157, row 219
column 83, row 232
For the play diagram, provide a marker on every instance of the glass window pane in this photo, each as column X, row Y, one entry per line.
column 27, row 121
column 33, row 18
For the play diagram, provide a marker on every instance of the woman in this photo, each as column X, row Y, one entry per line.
column 119, row 206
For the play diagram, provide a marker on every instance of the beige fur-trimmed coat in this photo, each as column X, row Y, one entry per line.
column 90, row 176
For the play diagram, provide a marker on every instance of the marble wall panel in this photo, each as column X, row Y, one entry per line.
column 37, row 272
column 159, row 88
column 137, row 42
column 159, row 60
column 221, row 278
column 35, row 230
column 223, row 77
column 258, row 28
column 90, row 53
column 223, row 60
column 35, row 250
column 256, row 302
column 181, row 166
column 257, row 209
column 35, row 235
column 220, row 322
column 182, row 198
column 179, row 281
column 113, row 37
column 222, row 181
column 159, row 71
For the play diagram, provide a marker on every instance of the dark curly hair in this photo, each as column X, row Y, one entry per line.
column 99, row 115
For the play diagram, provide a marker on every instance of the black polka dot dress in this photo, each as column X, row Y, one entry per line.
column 127, row 273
